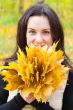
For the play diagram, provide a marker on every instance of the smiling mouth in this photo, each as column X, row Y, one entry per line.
column 39, row 44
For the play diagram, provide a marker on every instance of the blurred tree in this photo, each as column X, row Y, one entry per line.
column 21, row 6
column 17, row 6
column 26, row 4
column 40, row 1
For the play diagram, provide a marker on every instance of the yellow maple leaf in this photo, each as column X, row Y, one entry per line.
column 40, row 72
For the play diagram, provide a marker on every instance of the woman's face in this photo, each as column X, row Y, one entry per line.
column 38, row 31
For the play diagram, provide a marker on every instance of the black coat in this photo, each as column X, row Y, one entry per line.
column 17, row 103
column 68, row 94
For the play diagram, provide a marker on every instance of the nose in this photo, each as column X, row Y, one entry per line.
column 38, row 38
column 39, row 41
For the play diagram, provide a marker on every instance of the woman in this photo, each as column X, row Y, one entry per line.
column 40, row 25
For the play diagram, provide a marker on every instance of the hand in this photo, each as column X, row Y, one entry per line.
column 28, row 99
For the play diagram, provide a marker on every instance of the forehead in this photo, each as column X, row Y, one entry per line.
column 38, row 22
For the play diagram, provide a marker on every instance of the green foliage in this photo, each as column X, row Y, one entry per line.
column 8, row 19
column 11, row 10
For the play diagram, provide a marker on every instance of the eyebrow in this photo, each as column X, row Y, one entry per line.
column 43, row 29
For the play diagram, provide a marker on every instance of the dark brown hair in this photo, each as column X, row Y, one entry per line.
column 40, row 9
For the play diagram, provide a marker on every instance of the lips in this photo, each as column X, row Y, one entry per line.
column 39, row 44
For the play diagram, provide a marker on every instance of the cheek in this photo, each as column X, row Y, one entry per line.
column 49, row 40
column 29, row 39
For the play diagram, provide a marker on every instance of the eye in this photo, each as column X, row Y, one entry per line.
column 32, row 32
column 46, row 32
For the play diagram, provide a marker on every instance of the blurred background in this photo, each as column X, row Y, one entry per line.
column 10, row 13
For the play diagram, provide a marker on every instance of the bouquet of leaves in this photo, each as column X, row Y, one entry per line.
column 40, row 72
